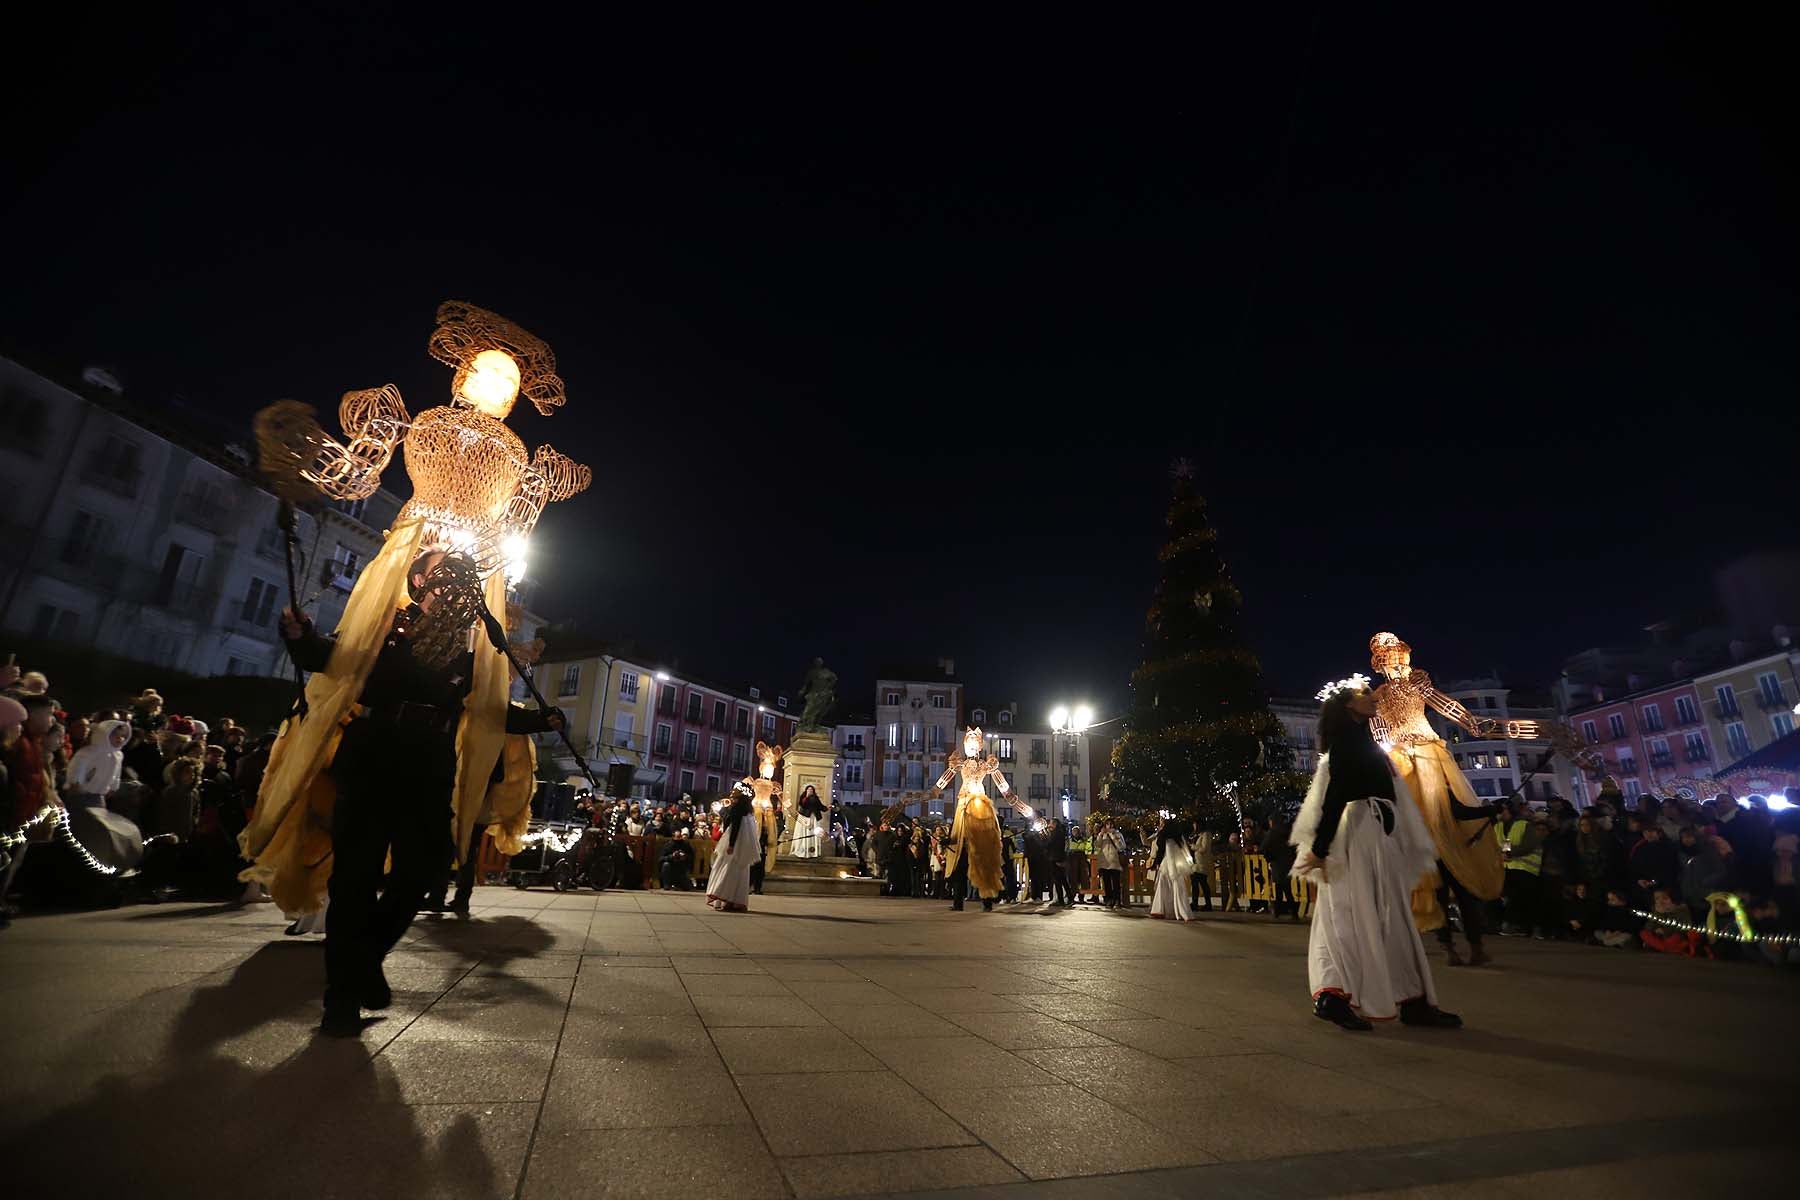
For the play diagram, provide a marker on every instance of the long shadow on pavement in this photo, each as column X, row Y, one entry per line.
column 207, row 1118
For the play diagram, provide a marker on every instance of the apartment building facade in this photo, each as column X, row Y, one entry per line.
column 137, row 537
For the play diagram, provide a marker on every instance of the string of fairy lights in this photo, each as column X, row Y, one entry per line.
column 1744, row 934
column 61, row 831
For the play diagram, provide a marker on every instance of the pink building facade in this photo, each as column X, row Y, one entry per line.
column 703, row 738
column 1648, row 738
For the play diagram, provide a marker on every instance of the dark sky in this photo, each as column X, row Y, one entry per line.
column 1474, row 325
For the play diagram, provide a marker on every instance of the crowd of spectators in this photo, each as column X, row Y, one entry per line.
column 1709, row 878
column 136, row 791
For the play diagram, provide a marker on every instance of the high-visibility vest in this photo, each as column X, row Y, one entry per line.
column 1513, row 834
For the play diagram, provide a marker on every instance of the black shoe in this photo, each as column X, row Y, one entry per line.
column 1419, row 1011
column 293, row 930
column 956, row 906
column 376, row 993
column 1334, row 1008
column 987, row 906
column 341, row 1023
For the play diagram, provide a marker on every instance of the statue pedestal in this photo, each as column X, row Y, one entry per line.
column 807, row 761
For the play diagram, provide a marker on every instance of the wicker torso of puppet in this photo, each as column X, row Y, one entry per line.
column 465, row 469
column 764, row 790
column 973, row 790
column 1400, row 707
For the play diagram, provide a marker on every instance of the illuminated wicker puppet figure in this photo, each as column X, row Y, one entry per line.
column 975, row 831
column 1467, row 853
column 401, row 668
column 766, row 794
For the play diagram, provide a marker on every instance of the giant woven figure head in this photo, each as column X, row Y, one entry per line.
column 474, row 486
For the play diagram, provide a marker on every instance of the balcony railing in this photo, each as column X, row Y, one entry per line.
column 1618, row 735
column 1682, row 718
column 661, row 748
column 1698, row 754
column 1727, row 709
column 112, row 478
column 77, row 562
column 715, row 760
column 1628, row 766
column 1662, row 760
column 202, row 514
column 1039, row 759
column 854, row 752
column 1770, row 703
column 1036, row 793
column 263, row 631
column 692, row 755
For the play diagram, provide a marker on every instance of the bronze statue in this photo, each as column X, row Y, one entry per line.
column 819, row 693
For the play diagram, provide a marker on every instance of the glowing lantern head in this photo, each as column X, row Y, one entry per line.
column 972, row 742
column 489, row 384
column 1390, row 656
column 767, row 756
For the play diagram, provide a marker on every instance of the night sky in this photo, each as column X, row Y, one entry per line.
column 1475, row 326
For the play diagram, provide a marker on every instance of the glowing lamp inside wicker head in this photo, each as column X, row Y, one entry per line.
column 489, row 383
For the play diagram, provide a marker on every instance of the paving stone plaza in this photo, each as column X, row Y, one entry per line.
column 640, row 1044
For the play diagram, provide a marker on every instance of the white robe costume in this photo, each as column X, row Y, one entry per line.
column 809, row 837
column 1170, row 899
column 1364, row 945
column 729, row 882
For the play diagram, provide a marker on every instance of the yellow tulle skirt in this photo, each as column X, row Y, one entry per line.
column 976, row 833
column 1467, row 848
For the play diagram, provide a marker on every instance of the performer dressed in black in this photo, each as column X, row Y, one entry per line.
column 395, row 771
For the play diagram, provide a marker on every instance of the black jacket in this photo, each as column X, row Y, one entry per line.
column 398, row 678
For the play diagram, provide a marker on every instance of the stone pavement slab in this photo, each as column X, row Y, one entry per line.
column 640, row 1044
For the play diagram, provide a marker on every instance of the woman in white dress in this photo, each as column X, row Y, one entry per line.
column 1174, row 867
column 738, row 849
column 1362, row 840
column 809, row 825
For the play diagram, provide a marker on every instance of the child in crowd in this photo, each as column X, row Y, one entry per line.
column 1618, row 927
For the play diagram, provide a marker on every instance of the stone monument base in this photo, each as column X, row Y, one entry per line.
column 827, row 876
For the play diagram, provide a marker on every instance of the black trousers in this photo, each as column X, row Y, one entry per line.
column 957, row 881
column 1197, row 884
column 1474, row 922
column 1059, row 880
column 464, row 875
column 394, row 796
column 1110, row 883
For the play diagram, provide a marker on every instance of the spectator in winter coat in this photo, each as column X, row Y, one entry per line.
column 1653, row 867
column 1598, row 854
column 1705, row 869
column 98, row 767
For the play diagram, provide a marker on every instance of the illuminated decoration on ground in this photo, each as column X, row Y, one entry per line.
column 55, row 817
column 22, row 834
column 474, row 485
column 1744, row 933
column 553, row 843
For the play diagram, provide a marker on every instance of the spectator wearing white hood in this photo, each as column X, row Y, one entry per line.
column 97, row 767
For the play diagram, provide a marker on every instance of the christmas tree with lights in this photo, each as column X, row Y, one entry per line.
column 1200, row 739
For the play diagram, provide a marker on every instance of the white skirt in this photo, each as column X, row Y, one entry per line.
column 1363, row 944
column 1170, row 899
column 808, row 837
column 730, row 878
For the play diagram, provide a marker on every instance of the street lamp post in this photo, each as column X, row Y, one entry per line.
column 1070, row 723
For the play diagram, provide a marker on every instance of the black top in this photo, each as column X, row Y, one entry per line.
column 397, row 677
column 1359, row 770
